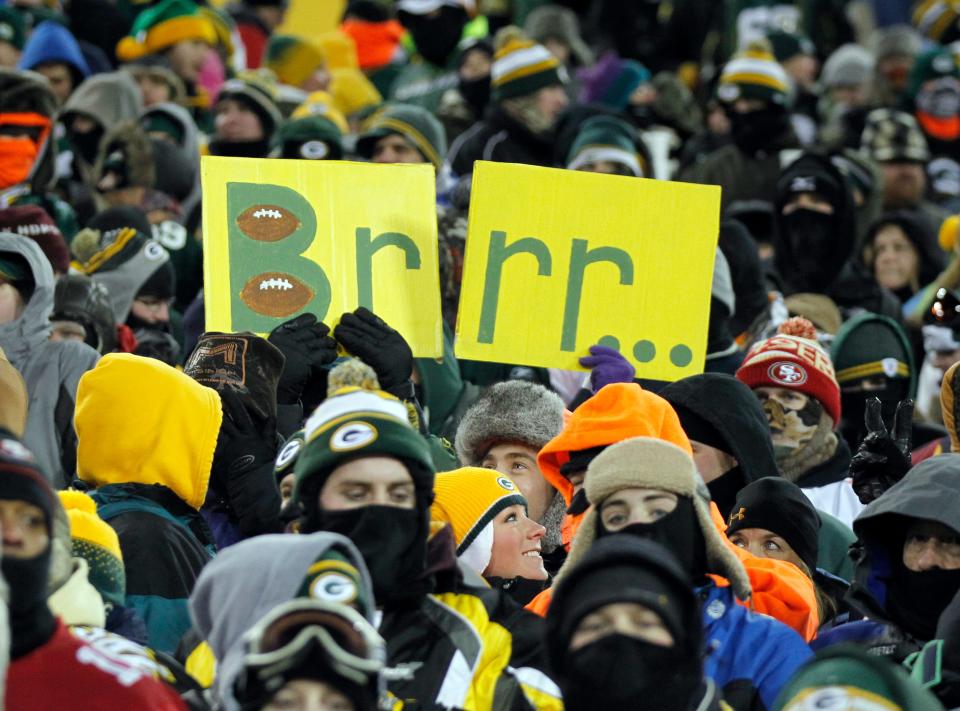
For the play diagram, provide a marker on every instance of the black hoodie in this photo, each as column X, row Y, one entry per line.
column 739, row 426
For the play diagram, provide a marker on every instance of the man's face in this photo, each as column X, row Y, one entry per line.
column 68, row 331
column 25, row 532
column 60, row 78
column 519, row 462
column 154, row 89
column 850, row 96
column 944, row 359
column 803, row 69
column 793, row 417
column 151, row 309
column 896, row 70
column 551, row 100
column 187, row 57
column 369, row 481
column 712, row 463
column 903, row 184
column 930, row 545
column 236, row 122
column 11, row 302
column 476, row 65
column 807, row 201
column 395, row 149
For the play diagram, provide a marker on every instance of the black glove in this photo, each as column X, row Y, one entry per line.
column 883, row 458
column 243, row 467
column 367, row 337
column 307, row 347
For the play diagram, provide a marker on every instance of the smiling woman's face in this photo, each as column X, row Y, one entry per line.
column 516, row 546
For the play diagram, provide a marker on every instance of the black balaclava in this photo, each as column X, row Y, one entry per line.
column 915, row 600
column 476, row 92
column 86, row 144
column 578, row 462
column 758, row 131
column 617, row 670
column 779, row 506
column 436, row 37
column 812, row 247
column 392, row 540
column 31, row 622
column 679, row 531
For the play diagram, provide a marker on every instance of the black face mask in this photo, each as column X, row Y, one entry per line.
column 679, row 531
column 476, row 92
column 811, row 237
column 392, row 541
column 915, row 601
column 724, row 489
column 579, row 503
column 616, row 671
column 758, row 130
column 86, row 144
column 436, row 38
column 240, row 149
column 31, row 622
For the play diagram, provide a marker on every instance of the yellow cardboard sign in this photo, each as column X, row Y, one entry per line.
column 558, row 260
column 286, row 237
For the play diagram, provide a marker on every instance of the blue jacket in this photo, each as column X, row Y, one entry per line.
column 748, row 655
column 52, row 42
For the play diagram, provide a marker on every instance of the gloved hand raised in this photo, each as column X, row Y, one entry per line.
column 368, row 337
column 607, row 366
column 307, row 347
column 883, row 457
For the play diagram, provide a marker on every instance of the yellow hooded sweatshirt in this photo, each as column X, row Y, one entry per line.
column 140, row 421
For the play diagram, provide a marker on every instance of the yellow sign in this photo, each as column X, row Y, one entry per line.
column 286, row 237
column 558, row 260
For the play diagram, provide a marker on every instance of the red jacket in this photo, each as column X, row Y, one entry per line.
column 66, row 673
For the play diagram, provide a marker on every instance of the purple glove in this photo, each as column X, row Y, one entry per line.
column 607, row 366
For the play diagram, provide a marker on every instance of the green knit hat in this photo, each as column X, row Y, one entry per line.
column 164, row 25
column 415, row 124
column 787, row 45
column 847, row 677
column 869, row 345
column 311, row 137
column 935, row 63
column 754, row 74
column 96, row 542
column 354, row 423
column 258, row 91
column 521, row 66
column 12, row 28
column 605, row 138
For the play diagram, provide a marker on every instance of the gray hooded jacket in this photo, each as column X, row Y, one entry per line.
column 51, row 370
column 246, row 581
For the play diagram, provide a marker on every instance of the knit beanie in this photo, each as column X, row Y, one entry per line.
column 937, row 19
column 352, row 423
column 293, row 59
column 611, row 81
column 794, row 363
column 469, row 499
column 32, row 221
column 893, row 136
column 321, row 104
column 895, row 40
column 78, row 298
column 779, row 506
column 510, row 412
column 754, row 74
column 12, row 28
column 22, row 480
column 559, row 23
column 244, row 362
column 869, row 345
column 787, row 45
column 605, row 138
column 849, row 65
column 352, row 92
column 935, row 63
column 257, row 92
column 123, row 260
column 308, row 138
column 650, row 463
column 415, row 124
column 164, row 25
column 13, row 398
column 620, row 569
column 522, row 67
column 847, row 676
column 97, row 543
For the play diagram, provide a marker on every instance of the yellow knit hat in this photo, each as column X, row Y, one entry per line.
column 469, row 499
column 96, row 542
column 352, row 91
column 339, row 49
column 320, row 103
column 293, row 59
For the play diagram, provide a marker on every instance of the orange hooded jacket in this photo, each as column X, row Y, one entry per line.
column 617, row 412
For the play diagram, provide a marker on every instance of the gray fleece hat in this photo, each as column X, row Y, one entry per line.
column 515, row 412
column 229, row 597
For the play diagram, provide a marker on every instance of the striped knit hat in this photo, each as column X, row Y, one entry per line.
column 937, row 19
column 521, row 66
column 163, row 26
column 891, row 135
column 414, row 123
column 97, row 543
column 754, row 74
column 469, row 499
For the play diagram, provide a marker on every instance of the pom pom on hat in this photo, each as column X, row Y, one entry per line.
column 351, row 373
column 948, row 233
column 798, row 326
